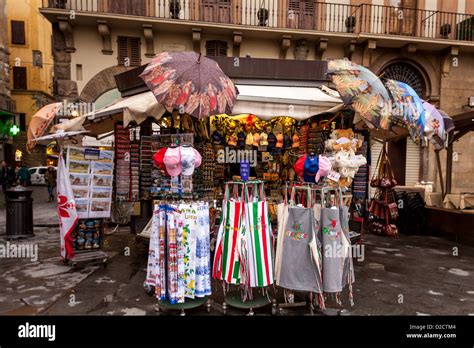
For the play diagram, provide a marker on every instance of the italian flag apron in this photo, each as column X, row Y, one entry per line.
column 259, row 237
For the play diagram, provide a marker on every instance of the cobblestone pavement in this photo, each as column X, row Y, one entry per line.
column 406, row 275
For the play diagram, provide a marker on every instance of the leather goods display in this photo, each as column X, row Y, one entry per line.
column 383, row 207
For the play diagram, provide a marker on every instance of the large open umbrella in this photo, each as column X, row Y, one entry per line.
column 407, row 106
column 363, row 90
column 190, row 83
column 40, row 121
column 434, row 128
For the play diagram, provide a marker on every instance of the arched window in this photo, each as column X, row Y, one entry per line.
column 406, row 73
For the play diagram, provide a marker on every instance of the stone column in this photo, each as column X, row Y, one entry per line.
column 65, row 88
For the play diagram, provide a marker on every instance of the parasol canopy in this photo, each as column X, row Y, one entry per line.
column 434, row 128
column 190, row 83
column 407, row 106
column 40, row 122
column 363, row 90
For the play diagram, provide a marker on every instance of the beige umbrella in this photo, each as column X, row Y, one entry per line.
column 40, row 122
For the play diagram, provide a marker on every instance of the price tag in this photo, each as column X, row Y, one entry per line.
column 334, row 176
column 342, row 140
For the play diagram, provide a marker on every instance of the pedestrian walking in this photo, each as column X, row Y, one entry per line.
column 50, row 178
column 24, row 176
column 4, row 176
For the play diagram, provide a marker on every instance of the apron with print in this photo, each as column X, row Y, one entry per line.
column 203, row 251
column 299, row 270
column 189, row 246
column 179, row 219
column 335, row 250
column 153, row 277
column 172, row 257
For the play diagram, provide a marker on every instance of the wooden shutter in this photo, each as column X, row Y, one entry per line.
column 135, row 52
column 216, row 48
column 122, row 49
column 308, row 8
column 293, row 14
column 129, row 47
column 409, row 17
column 223, row 15
column 19, row 78
column 118, row 6
column 18, row 32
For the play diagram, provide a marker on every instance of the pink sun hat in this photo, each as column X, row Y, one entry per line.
column 172, row 161
column 324, row 167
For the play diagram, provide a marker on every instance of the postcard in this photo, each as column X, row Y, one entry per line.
column 102, row 180
column 80, row 192
column 102, row 168
column 79, row 167
column 79, row 179
column 76, row 153
column 102, row 192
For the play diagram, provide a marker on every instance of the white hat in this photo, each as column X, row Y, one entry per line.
column 189, row 160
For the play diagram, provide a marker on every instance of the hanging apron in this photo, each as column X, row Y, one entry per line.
column 282, row 217
column 203, row 251
column 172, row 256
column 230, row 242
column 153, row 268
column 161, row 285
column 179, row 219
column 259, row 240
column 299, row 270
column 189, row 246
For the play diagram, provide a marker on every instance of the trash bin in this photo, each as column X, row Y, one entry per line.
column 19, row 212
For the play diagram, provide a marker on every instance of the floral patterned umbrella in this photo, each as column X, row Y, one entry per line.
column 189, row 83
column 407, row 106
column 363, row 90
column 434, row 128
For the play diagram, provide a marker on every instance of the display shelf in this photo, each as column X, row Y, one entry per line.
column 234, row 299
column 188, row 304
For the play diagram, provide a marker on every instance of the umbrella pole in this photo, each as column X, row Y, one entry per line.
column 438, row 160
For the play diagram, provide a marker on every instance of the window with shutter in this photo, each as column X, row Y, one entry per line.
column 129, row 50
column 216, row 48
column 19, row 77
column 18, row 32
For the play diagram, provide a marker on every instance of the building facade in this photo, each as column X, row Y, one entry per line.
column 7, row 105
column 426, row 43
column 31, row 61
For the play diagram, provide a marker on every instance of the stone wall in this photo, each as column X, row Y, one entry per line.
column 65, row 88
column 456, row 88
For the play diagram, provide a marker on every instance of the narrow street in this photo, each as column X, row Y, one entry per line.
column 406, row 275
